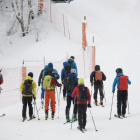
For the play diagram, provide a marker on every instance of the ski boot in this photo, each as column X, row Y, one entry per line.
column 52, row 115
column 46, row 115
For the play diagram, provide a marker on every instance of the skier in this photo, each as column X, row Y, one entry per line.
column 26, row 88
column 40, row 81
column 122, row 82
column 71, row 83
column 98, row 76
column 50, row 70
column 73, row 64
column 64, row 74
column 83, row 95
column 49, row 84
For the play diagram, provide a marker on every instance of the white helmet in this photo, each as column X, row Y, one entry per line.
column 73, row 71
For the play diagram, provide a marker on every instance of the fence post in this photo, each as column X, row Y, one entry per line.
column 93, row 55
column 84, row 41
column 64, row 24
column 23, row 72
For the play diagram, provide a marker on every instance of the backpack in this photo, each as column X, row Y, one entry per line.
column 123, row 83
column 1, row 79
column 83, row 95
column 70, row 84
column 27, row 87
column 47, row 83
column 98, row 75
column 67, row 70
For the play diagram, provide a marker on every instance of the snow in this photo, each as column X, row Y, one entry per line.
column 115, row 27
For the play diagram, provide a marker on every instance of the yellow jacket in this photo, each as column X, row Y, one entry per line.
column 33, row 87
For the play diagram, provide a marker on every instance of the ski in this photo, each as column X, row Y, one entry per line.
column 81, row 130
column 118, row 117
column 69, row 122
column 2, row 115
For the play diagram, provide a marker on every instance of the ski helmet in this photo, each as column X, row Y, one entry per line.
column 73, row 71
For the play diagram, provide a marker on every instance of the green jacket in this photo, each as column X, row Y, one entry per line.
column 33, row 87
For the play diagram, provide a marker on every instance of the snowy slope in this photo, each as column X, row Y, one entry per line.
column 115, row 26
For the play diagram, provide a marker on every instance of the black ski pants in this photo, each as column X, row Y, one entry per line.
column 25, row 101
column 64, row 90
column 82, row 109
column 100, row 88
column 69, row 99
column 121, row 101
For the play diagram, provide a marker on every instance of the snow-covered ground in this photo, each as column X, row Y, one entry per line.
column 115, row 26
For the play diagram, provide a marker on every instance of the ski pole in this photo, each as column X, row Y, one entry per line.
column 91, row 91
column 93, row 120
column 104, row 94
column 37, row 111
column 128, row 106
column 111, row 106
column 73, row 109
column 59, row 102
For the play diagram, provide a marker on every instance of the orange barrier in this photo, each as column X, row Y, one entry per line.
column 41, row 4
column 84, row 42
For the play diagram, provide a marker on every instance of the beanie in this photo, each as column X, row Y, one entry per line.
column 80, row 81
column 30, row 74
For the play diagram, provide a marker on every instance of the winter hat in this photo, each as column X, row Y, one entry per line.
column 73, row 71
column 55, row 72
column 50, row 66
column 30, row 74
column 119, row 70
column 72, row 57
column 97, row 67
column 80, row 81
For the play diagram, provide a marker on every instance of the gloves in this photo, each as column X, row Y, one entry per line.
column 38, row 84
column 91, row 84
column 113, row 91
column 89, row 105
column 34, row 98
column 62, row 82
column 60, row 85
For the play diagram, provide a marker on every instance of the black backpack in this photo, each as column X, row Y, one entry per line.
column 83, row 95
column 70, row 85
column 68, row 68
column 27, row 87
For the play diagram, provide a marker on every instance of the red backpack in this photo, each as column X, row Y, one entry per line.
column 1, row 81
column 123, row 83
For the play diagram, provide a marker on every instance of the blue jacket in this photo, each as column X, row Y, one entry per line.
column 74, row 65
column 116, row 81
column 40, row 80
column 75, row 81
column 63, row 72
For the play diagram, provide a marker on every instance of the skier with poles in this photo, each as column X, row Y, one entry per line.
column 122, row 82
column 49, row 84
column 40, row 82
column 99, row 77
column 71, row 83
column 83, row 96
column 28, row 90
